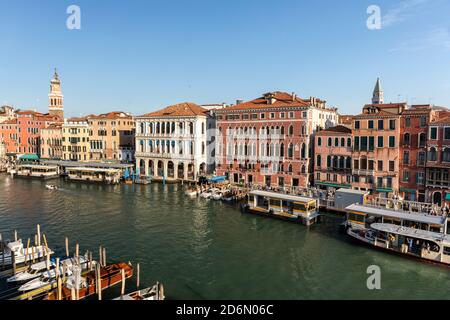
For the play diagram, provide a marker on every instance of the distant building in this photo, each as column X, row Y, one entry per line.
column 75, row 139
column 171, row 143
column 9, row 136
column 112, row 136
column 56, row 98
column 333, row 158
column 51, row 142
column 7, row 113
column 438, row 160
column 268, row 141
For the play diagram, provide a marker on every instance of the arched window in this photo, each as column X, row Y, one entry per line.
column 432, row 154
column 282, row 130
column 446, row 155
column 336, row 142
column 303, row 151
column 319, row 141
column 290, row 168
column 336, row 162
column 303, row 169
column 342, row 162
column 349, row 142
column 342, row 142
column 329, row 161
column 422, row 140
column 291, row 130
column 319, row 160
column 330, row 142
column 290, row 151
column 348, row 163
column 407, row 139
column 282, row 150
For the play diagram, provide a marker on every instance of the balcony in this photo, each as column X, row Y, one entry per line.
column 363, row 172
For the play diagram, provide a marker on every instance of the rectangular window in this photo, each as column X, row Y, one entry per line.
column 357, row 125
column 408, row 122
column 245, row 117
column 363, row 143
column 391, row 142
column 391, row 165
column 380, row 124
column 405, row 176
column 356, row 164
column 380, row 165
column 433, row 133
column 423, row 122
column 379, row 182
column 389, row 182
column 262, row 116
column 357, row 148
column 420, row 178
column 447, row 133
column 380, row 142
column 272, row 115
column 406, row 157
column 254, row 116
column 291, row 115
column 370, row 124
column 371, row 143
column 392, row 124
column 282, row 115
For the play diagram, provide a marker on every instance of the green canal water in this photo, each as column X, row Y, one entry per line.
column 201, row 249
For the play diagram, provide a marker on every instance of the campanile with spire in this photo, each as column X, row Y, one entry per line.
column 378, row 94
column 56, row 98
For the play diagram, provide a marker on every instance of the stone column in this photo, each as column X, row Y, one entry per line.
column 175, row 170
column 147, row 173
column 155, row 168
column 185, row 173
column 166, row 169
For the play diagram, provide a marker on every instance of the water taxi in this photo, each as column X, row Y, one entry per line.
column 408, row 233
column 293, row 208
column 37, row 171
column 101, row 175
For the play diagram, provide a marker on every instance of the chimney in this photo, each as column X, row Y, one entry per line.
column 239, row 101
column 294, row 96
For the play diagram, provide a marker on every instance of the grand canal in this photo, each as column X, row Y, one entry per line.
column 200, row 249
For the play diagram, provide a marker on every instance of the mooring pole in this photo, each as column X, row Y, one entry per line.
column 38, row 235
column 67, row 247
column 138, row 275
column 13, row 260
column 100, row 253
column 123, row 282
column 104, row 257
column 27, row 254
column 15, row 235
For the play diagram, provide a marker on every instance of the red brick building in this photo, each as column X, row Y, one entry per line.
column 333, row 158
column 8, row 135
column 438, row 160
column 413, row 150
column 29, row 125
column 268, row 141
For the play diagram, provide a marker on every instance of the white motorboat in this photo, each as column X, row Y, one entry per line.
column 48, row 277
column 37, row 269
column 217, row 195
column 153, row 293
column 209, row 193
column 191, row 193
column 21, row 254
column 33, row 272
column 51, row 187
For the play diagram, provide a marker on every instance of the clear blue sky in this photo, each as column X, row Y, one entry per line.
column 141, row 55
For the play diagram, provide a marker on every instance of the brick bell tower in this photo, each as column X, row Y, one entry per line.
column 56, row 105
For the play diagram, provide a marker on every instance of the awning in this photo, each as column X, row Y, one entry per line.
column 334, row 185
column 384, row 190
column 408, row 190
column 447, row 196
column 218, row 179
column 29, row 157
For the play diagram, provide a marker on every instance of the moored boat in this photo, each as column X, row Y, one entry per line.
column 109, row 276
column 287, row 207
column 153, row 293
column 22, row 254
column 416, row 235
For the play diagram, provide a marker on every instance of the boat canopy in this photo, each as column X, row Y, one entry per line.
column 15, row 246
column 398, row 214
column 218, row 179
column 410, row 232
column 29, row 157
column 280, row 196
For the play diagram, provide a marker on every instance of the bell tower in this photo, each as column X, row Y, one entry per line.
column 56, row 105
column 378, row 94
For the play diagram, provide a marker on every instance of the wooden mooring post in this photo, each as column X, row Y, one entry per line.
column 138, row 275
column 27, row 253
column 3, row 251
column 123, row 282
column 67, row 247
column 15, row 235
column 99, row 283
column 104, row 257
column 100, row 254
column 13, row 260
column 38, row 235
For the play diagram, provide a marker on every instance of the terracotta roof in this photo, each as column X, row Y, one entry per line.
column 111, row 115
column 185, row 109
column 442, row 120
column 53, row 126
column 282, row 99
column 387, row 105
column 337, row 129
column 75, row 119
column 13, row 121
